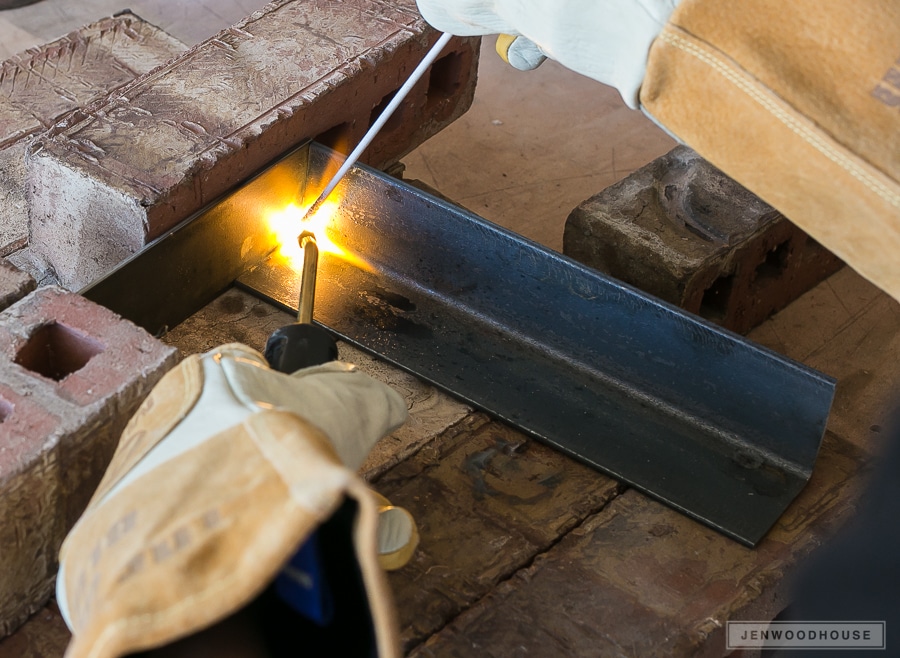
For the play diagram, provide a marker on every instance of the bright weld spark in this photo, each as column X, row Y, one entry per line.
column 288, row 223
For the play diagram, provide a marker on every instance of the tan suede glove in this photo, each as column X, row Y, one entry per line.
column 225, row 470
column 799, row 102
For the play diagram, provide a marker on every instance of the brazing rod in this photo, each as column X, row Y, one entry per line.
column 429, row 58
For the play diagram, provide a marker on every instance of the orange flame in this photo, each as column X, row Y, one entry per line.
column 288, row 222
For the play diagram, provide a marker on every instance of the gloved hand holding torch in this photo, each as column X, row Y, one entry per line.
column 798, row 101
column 226, row 469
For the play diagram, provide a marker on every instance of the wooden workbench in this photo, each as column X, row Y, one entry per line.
column 527, row 552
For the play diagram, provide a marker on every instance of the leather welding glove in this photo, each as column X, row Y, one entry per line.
column 607, row 40
column 799, row 102
column 225, row 470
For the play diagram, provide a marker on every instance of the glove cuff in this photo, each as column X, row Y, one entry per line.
column 200, row 536
column 811, row 128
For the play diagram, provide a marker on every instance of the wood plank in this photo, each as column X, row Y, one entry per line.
column 638, row 579
column 44, row 636
column 523, row 159
column 488, row 500
column 846, row 328
column 865, row 359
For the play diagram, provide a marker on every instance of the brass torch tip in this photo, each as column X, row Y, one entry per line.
column 307, row 241
column 305, row 237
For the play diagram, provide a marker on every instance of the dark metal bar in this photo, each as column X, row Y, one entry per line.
column 695, row 416
column 701, row 419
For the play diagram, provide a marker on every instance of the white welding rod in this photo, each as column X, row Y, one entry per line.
column 379, row 123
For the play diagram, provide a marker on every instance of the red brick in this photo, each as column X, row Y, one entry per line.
column 71, row 375
column 42, row 84
column 24, row 420
column 125, row 170
column 14, row 283
column 29, row 495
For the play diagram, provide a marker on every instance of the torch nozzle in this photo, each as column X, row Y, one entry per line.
column 302, row 344
column 307, row 242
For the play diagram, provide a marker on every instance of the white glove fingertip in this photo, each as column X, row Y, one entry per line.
column 524, row 54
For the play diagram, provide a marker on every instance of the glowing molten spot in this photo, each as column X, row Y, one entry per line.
column 289, row 223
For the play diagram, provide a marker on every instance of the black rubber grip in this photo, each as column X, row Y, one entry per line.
column 300, row 346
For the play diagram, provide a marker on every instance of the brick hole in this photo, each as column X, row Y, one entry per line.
column 775, row 263
column 6, row 408
column 396, row 120
column 56, row 351
column 714, row 305
column 337, row 138
column 445, row 79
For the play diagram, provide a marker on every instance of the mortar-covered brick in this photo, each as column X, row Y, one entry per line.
column 682, row 231
column 14, row 283
column 122, row 171
column 71, row 375
column 29, row 494
column 42, row 84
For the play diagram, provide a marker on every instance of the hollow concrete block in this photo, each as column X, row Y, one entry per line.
column 682, row 231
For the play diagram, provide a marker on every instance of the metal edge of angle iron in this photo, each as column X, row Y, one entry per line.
column 187, row 267
column 713, row 425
